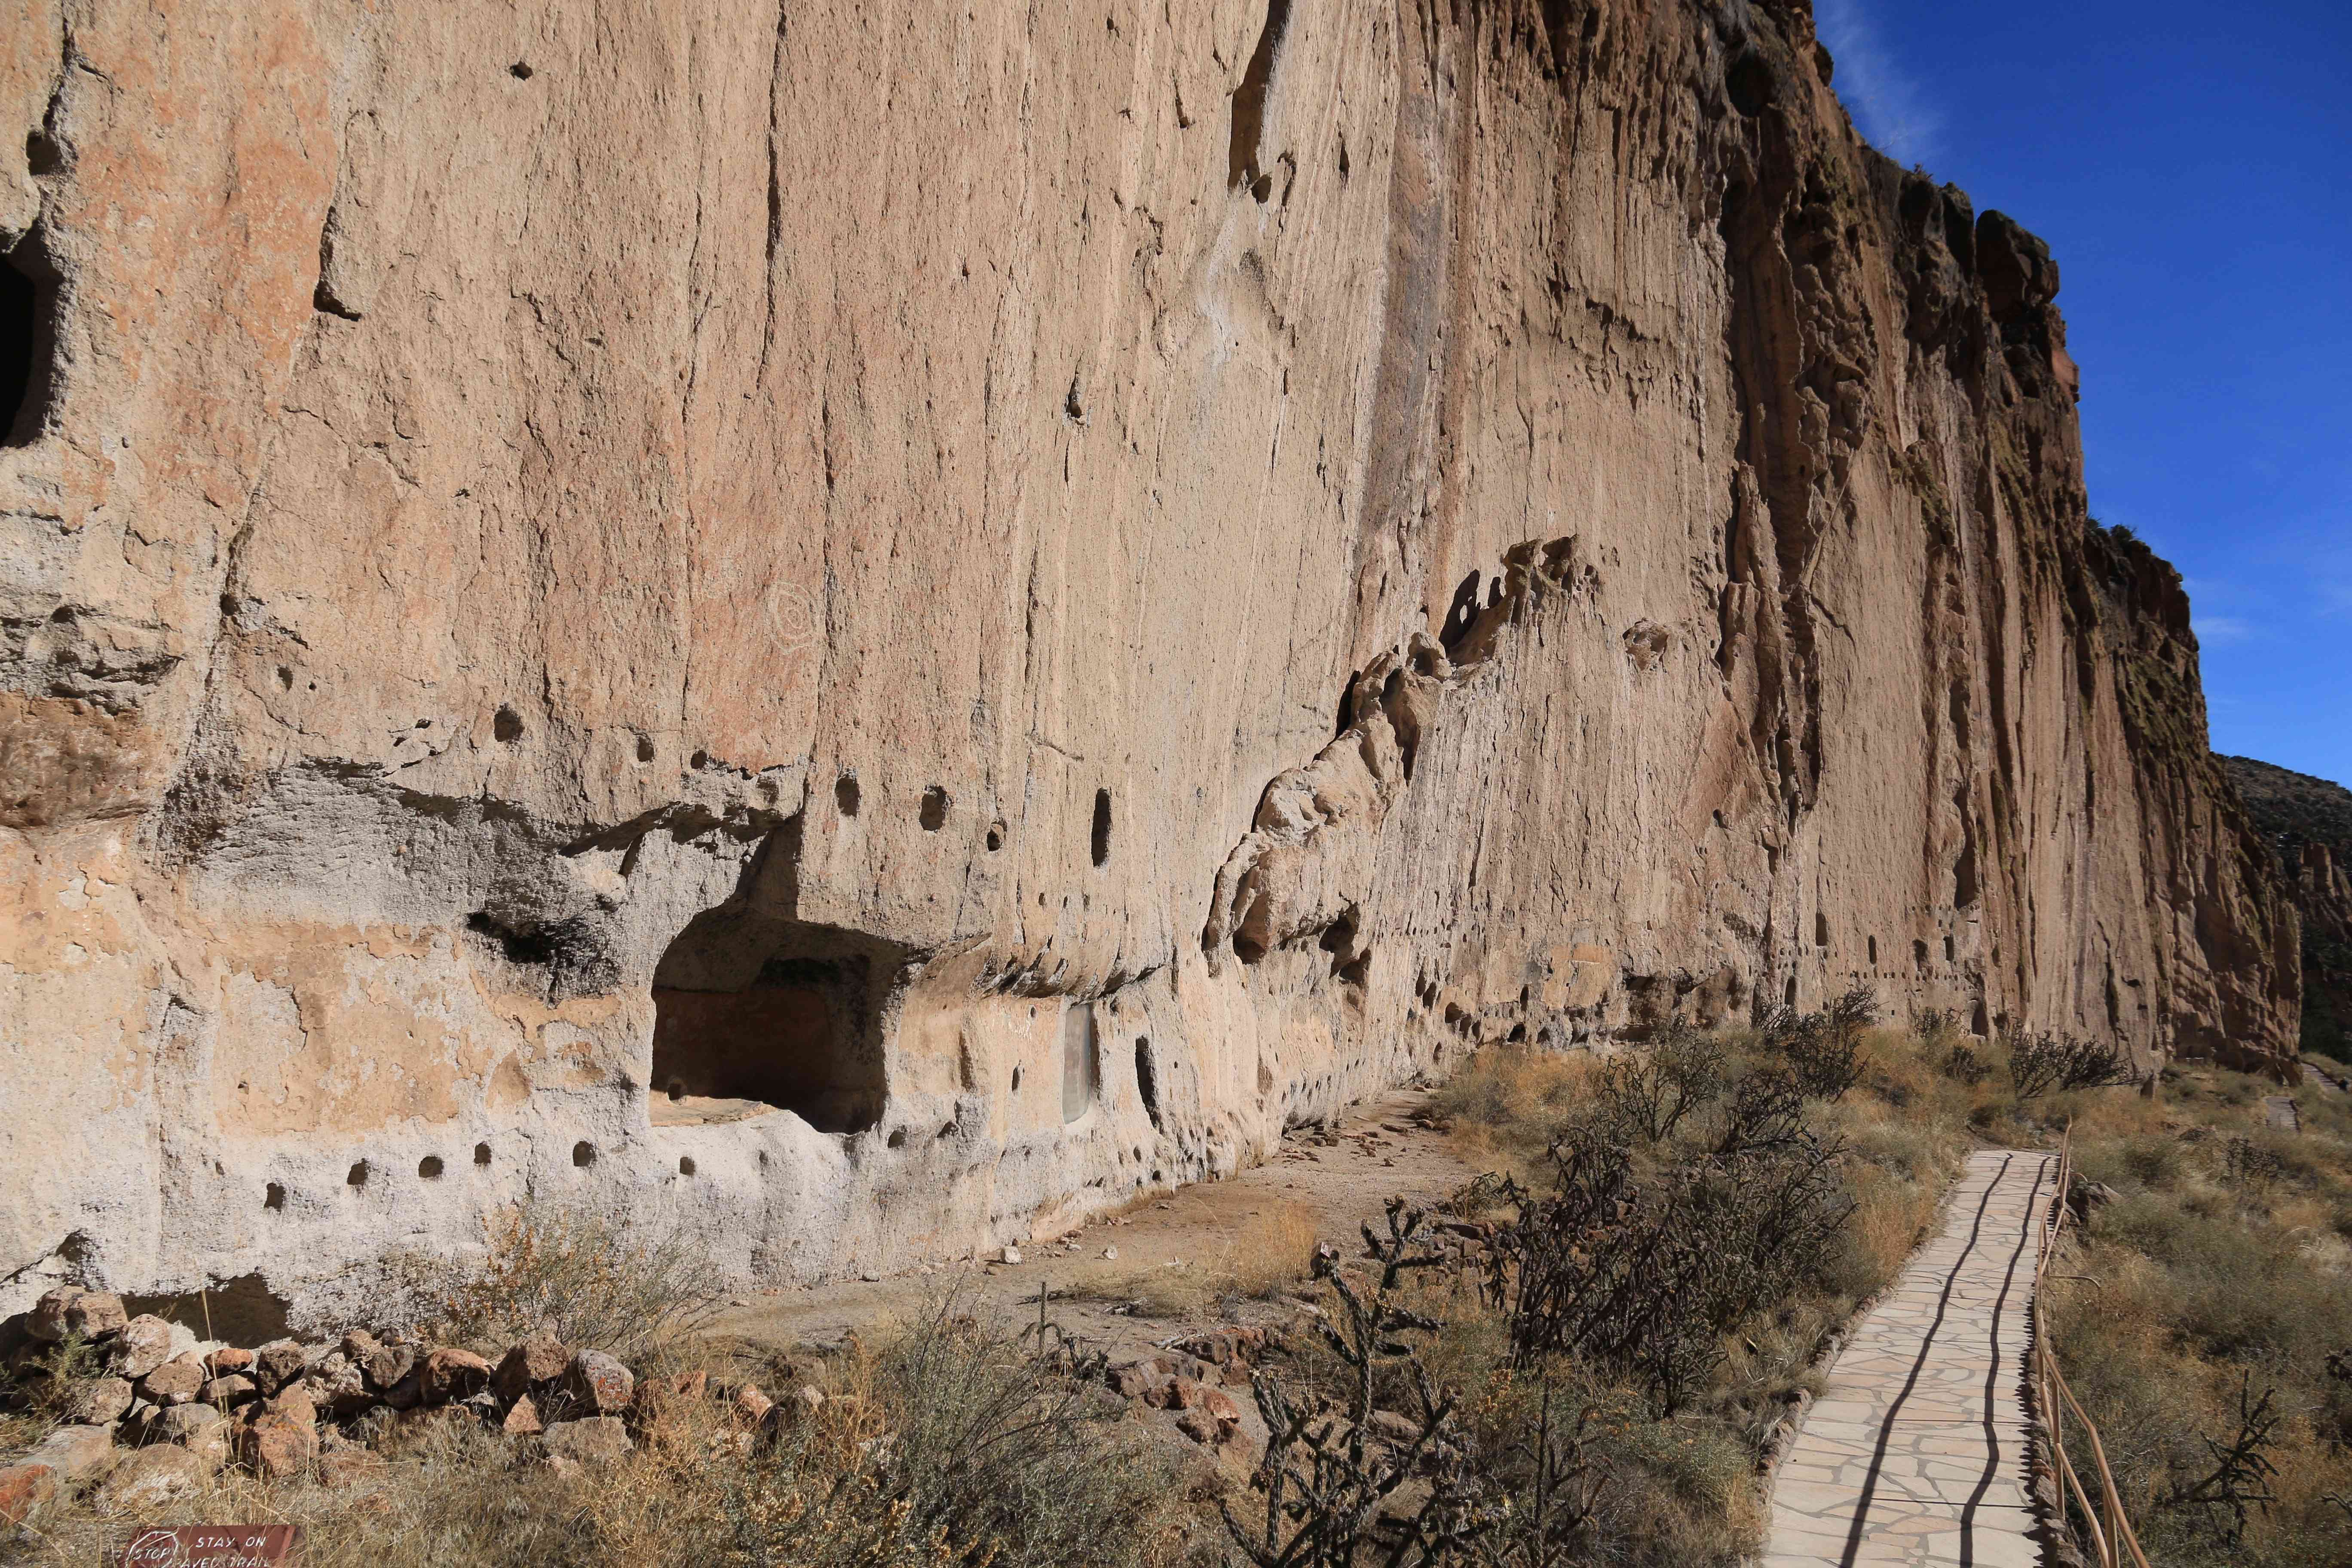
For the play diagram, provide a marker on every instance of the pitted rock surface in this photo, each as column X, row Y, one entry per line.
column 1042, row 603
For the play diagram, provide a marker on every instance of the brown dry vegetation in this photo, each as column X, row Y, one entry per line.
column 958, row 1442
column 2221, row 1271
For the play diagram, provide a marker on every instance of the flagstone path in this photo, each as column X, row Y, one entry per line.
column 1917, row 1451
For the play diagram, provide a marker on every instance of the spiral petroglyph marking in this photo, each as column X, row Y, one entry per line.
column 792, row 617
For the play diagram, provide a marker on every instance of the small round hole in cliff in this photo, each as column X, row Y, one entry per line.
column 645, row 748
column 1147, row 1082
column 482, row 1153
column 429, row 1167
column 686, row 1164
column 1101, row 836
column 274, row 1197
column 521, row 70
column 897, row 1139
column 934, row 813
column 1016, row 1081
column 357, row 1176
column 584, row 1154
column 752, row 1012
column 995, row 836
column 507, row 725
column 844, row 794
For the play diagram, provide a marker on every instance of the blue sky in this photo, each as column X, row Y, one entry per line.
column 2190, row 165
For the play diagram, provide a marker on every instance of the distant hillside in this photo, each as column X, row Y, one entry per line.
column 2293, row 811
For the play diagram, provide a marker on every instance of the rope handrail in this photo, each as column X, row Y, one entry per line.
column 2051, row 1393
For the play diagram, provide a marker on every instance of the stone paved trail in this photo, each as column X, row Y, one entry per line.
column 1917, row 1451
column 2279, row 1110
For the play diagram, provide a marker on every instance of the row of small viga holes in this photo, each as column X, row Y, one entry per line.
column 583, row 1154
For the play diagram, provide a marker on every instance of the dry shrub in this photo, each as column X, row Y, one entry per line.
column 957, row 1446
column 2212, row 1280
column 576, row 1276
column 1506, row 1103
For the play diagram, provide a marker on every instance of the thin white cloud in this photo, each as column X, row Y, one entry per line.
column 1892, row 109
column 2223, row 630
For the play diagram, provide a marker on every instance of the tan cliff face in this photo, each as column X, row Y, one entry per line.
column 867, row 628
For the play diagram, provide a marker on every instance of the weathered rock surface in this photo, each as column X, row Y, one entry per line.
column 151, row 1478
column 957, row 613
column 2307, row 822
column 588, row 1438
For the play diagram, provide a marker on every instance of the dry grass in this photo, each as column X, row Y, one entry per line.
column 951, row 1444
column 1272, row 1252
column 1682, row 1489
column 2219, row 1270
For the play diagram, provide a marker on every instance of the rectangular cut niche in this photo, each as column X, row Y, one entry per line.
column 754, row 1013
column 1081, row 1061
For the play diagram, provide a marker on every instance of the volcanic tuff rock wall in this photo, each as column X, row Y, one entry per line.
column 2307, row 822
column 1043, row 590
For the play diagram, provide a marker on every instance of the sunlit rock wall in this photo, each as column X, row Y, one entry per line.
column 864, row 628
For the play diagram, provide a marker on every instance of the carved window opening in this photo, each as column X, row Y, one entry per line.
column 754, row 1013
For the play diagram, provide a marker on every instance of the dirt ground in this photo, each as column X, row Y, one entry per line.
column 1334, row 1181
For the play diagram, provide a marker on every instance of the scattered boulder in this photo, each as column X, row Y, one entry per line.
column 296, row 1405
column 1202, row 1427
column 226, row 1392
column 144, row 1344
column 67, row 1309
column 337, row 1386
column 453, row 1374
column 1134, row 1380
column 358, row 1345
column 149, row 1478
column 100, row 1400
column 278, row 1363
column 76, row 1453
column 278, row 1445
column 589, row 1439
column 385, row 1365
column 751, row 1406
column 1010, row 1254
column 182, row 1422
column 523, row 1418
column 26, row 1489
column 227, row 1361
column 598, row 1384
column 177, row 1381
column 529, row 1367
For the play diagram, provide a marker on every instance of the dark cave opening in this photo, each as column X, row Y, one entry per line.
column 774, row 1012
column 27, row 345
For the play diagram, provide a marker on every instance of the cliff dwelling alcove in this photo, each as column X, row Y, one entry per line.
column 752, row 1013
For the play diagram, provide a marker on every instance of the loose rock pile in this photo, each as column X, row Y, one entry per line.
column 168, row 1411
column 1185, row 1377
